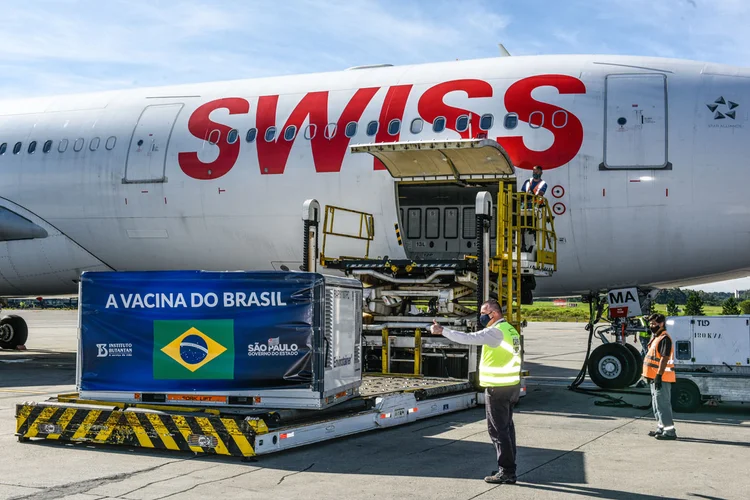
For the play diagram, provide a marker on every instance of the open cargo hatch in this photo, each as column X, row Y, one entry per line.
column 458, row 160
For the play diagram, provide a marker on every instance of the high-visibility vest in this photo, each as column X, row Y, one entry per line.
column 653, row 359
column 538, row 187
column 501, row 366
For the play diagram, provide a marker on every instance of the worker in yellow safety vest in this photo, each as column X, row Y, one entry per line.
column 658, row 369
column 500, row 375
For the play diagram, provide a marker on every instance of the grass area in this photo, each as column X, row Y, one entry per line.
column 547, row 311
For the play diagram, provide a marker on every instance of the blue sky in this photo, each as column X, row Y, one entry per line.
column 63, row 46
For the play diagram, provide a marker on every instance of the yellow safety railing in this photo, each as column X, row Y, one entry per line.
column 535, row 219
column 521, row 215
column 365, row 231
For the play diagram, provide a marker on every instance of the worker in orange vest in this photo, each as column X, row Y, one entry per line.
column 658, row 370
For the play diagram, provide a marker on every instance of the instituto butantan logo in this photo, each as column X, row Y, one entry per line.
column 723, row 109
column 200, row 349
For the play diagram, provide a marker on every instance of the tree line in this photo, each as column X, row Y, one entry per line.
column 694, row 300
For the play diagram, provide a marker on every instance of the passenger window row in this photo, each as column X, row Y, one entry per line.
column 62, row 146
column 486, row 121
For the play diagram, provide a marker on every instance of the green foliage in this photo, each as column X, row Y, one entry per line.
column 730, row 307
column 694, row 305
column 672, row 309
column 745, row 306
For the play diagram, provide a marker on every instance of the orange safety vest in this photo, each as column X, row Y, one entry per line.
column 538, row 187
column 653, row 359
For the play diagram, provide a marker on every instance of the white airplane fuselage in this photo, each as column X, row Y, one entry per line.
column 645, row 161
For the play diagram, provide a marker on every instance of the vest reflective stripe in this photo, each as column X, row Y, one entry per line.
column 537, row 188
column 501, row 365
column 653, row 359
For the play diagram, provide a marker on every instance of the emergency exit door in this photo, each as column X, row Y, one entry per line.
column 148, row 145
column 636, row 121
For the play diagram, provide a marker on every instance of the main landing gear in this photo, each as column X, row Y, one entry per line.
column 13, row 332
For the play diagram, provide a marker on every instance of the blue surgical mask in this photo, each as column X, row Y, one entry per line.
column 484, row 319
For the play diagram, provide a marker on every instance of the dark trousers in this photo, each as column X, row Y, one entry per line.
column 499, row 403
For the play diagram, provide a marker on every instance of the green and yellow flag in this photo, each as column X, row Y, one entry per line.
column 193, row 350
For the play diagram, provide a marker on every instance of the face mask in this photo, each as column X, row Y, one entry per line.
column 654, row 329
column 484, row 319
column 537, row 176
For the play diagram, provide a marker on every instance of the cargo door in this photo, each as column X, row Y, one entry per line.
column 721, row 340
column 435, row 200
column 465, row 159
column 636, row 121
column 148, row 145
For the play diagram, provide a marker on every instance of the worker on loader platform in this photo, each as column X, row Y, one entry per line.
column 536, row 187
column 658, row 369
column 500, row 375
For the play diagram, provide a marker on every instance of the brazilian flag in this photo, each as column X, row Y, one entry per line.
column 193, row 350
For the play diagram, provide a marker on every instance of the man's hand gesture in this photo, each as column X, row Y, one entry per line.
column 436, row 329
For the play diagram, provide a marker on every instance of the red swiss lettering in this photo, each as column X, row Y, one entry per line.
column 393, row 109
column 201, row 125
column 431, row 103
column 328, row 153
column 567, row 139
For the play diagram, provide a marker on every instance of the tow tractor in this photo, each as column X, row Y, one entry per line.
column 495, row 242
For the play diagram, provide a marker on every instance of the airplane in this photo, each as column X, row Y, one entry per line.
column 644, row 159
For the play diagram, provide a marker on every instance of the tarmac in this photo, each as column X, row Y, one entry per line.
column 568, row 447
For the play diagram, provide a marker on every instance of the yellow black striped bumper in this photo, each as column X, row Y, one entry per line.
column 209, row 434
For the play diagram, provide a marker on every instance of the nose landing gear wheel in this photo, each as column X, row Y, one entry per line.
column 612, row 366
column 13, row 332
column 638, row 363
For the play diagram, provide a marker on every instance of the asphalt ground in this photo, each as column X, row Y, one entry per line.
column 568, row 446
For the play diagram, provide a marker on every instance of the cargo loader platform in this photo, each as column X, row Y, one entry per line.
column 241, row 431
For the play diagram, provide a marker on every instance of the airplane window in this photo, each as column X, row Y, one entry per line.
column 63, row 146
column 78, row 145
column 486, row 121
column 536, row 122
column 17, row 148
column 462, row 123
column 511, row 121
column 310, row 131
column 213, row 137
column 329, row 131
column 372, row 128
column 3, row 148
column 94, row 144
column 232, row 136
column 270, row 134
column 47, row 146
column 351, row 129
column 290, row 132
column 250, row 136
column 439, row 124
column 110, row 144
column 416, row 125
column 394, row 126
column 562, row 121
column 32, row 147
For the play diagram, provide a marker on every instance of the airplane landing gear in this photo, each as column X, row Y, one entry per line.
column 618, row 364
column 13, row 332
column 613, row 366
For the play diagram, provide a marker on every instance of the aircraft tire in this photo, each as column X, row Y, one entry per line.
column 14, row 331
column 611, row 366
column 638, row 363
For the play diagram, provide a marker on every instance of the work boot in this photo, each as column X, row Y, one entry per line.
column 665, row 436
column 503, row 478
